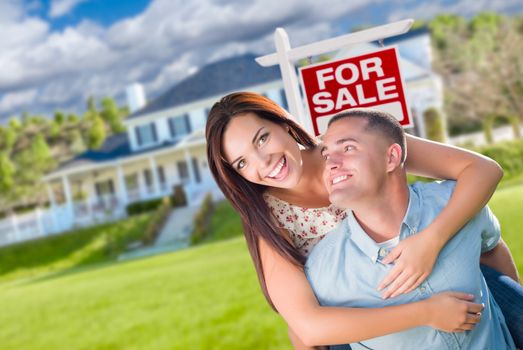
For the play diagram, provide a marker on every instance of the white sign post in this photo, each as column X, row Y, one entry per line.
column 286, row 56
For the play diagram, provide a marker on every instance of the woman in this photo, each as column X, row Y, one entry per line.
column 259, row 180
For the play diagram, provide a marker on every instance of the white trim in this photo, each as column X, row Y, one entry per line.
column 130, row 159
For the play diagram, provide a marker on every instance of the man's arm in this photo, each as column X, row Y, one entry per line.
column 500, row 259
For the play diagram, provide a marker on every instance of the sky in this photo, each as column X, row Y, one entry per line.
column 54, row 54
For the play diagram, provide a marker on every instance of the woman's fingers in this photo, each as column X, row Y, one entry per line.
column 407, row 285
column 391, row 276
column 400, row 280
column 417, row 283
column 474, row 308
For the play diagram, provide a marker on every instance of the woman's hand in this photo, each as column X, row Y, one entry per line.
column 414, row 258
column 453, row 312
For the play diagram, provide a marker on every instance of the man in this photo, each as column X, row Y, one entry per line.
column 365, row 152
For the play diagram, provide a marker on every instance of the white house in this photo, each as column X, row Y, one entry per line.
column 164, row 145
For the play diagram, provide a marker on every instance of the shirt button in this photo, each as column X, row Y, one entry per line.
column 423, row 289
column 383, row 252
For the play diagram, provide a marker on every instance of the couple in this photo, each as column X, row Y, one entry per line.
column 271, row 171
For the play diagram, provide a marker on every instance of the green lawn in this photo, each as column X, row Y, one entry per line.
column 205, row 297
column 58, row 253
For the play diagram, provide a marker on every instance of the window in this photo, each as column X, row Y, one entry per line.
column 179, row 125
column 161, row 174
column 131, row 182
column 183, row 170
column 148, row 177
column 196, row 170
column 103, row 188
column 146, row 134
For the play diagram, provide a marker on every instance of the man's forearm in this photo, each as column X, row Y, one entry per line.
column 500, row 259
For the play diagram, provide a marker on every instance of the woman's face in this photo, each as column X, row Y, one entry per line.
column 262, row 152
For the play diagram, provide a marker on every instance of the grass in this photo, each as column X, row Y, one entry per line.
column 206, row 297
column 201, row 298
column 507, row 204
column 71, row 249
column 225, row 223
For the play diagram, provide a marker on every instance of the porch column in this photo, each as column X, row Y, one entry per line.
column 52, row 200
column 39, row 222
column 188, row 160
column 14, row 224
column 68, row 196
column 154, row 173
column 121, row 185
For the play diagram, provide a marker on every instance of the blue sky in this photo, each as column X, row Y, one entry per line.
column 70, row 13
column 56, row 53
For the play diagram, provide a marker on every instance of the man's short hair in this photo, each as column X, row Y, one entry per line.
column 380, row 121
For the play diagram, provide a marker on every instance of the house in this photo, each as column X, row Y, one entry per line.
column 164, row 145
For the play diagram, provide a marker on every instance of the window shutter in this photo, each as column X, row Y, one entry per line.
column 187, row 122
column 171, row 127
column 155, row 136
column 138, row 136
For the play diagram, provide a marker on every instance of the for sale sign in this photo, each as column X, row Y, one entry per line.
column 370, row 80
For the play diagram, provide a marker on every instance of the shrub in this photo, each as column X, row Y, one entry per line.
column 508, row 154
column 434, row 124
column 202, row 220
column 157, row 221
column 142, row 207
column 178, row 197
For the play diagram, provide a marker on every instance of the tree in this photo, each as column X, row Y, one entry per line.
column 482, row 66
column 59, row 118
column 77, row 144
column 96, row 134
column 111, row 115
column 7, row 171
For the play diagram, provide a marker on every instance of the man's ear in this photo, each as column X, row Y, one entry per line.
column 394, row 156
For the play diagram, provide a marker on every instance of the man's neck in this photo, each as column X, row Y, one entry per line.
column 382, row 215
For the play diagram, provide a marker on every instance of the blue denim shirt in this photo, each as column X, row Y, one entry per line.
column 344, row 269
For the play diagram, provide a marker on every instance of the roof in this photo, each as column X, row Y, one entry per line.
column 217, row 78
column 115, row 147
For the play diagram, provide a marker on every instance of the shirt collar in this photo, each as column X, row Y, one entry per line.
column 367, row 245
column 413, row 215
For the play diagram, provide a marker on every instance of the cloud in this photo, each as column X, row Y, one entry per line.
column 60, row 8
column 165, row 43
column 17, row 99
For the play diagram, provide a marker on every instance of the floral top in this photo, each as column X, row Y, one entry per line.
column 306, row 226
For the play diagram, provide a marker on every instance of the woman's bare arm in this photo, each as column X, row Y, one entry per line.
column 316, row 325
column 477, row 177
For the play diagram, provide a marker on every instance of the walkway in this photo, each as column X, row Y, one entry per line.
column 175, row 235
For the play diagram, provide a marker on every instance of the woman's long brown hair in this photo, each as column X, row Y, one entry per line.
column 247, row 197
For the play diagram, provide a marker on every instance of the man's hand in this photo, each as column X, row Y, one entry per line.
column 414, row 258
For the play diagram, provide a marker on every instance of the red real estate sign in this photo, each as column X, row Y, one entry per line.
column 370, row 80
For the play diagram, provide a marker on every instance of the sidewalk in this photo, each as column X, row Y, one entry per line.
column 175, row 235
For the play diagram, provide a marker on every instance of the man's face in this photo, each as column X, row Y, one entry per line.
column 355, row 162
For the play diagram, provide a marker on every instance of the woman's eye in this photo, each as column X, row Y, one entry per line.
column 262, row 139
column 348, row 148
column 241, row 164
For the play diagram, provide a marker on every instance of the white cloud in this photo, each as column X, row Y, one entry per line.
column 165, row 43
column 17, row 99
column 60, row 8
